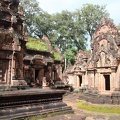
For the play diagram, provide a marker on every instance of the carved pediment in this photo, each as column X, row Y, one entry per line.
column 90, row 64
column 81, row 57
column 106, row 26
column 104, row 59
column 81, row 61
column 77, row 69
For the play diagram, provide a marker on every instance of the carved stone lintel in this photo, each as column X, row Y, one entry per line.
column 5, row 55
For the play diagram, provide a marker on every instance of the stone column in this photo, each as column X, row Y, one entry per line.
column 92, row 80
column 9, row 73
column 60, row 74
column 96, row 80
column 86, row 78
column 112, row 81
column 57, row 72
column 99, row 82
column 117, row 79
column 52, row 75
column 13, row 71
column 75, row 82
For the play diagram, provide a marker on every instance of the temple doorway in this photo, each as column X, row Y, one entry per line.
column 37, row 78
column 107, row 82
column 36, row 74
column 80, row 80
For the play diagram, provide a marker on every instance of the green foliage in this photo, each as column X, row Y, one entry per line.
column 69, row 54
column 36, row 44
column 118, row 26
column 65, row 29
column 98, row 108
column 43, row 25
column 90, row 15
column 68, row 32
column 31, row 8
column 55, row 56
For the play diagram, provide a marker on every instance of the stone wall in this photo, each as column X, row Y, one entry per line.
column 99, row 71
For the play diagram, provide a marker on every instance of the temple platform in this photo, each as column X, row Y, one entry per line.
column 24, row 103
column 112, row 98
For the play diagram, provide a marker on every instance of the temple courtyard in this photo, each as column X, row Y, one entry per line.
column 79, row 114
column 34, row 77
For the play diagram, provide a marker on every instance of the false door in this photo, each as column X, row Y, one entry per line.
column 3, row 71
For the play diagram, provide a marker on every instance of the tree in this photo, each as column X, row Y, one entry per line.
column 90, row 15
column 69, row 54
column 68, row 33
column 43, row 24
column 68, row 30
column 31, row 8
column 118, row 27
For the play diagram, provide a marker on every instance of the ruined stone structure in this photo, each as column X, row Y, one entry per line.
column 19, row 66
column 103, row 66
column 58, row 65
column 40, row 69
column 13, row 36
column 14, row 71
column 101, row 72
column 77, row 74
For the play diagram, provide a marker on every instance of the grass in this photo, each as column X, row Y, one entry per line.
column 36, row 44
column 98, row 108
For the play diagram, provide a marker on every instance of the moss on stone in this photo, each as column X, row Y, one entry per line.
column 55, row 56
column 36, row 44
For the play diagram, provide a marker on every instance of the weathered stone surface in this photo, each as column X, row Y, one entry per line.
column 20, row 69
column 24, row 103
column 76, row 74
column 99, row 71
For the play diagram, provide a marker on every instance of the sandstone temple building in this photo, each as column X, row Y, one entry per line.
column 77, row 74
column 21, row 65
column 104, row 63
column 27, row 66
column 42, row 67
column 99, row 72
column 13, row 37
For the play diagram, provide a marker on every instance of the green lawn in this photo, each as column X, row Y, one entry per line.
column 99, row 108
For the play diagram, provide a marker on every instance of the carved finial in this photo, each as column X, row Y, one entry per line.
column 11, row 30
column 21, row 11
column 47, row 41
column 13, row 19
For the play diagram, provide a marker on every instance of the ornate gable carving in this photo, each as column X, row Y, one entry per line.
column 104, row 46
column 81, row 61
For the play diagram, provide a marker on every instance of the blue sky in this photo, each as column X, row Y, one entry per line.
column 53, row 6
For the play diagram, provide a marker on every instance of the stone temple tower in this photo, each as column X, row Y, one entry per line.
column 13, row 36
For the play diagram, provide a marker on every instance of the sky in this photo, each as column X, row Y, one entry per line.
column 53, row 6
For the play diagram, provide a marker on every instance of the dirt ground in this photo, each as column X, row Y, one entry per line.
column 70, row 99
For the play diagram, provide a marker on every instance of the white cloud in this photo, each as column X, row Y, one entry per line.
column 114, row 10
column 53, row 6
